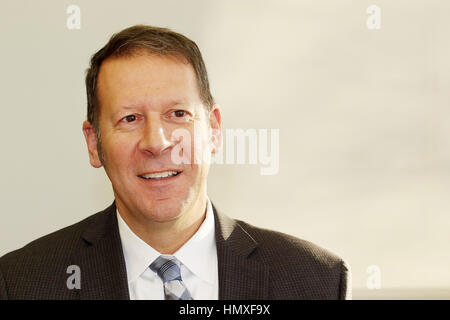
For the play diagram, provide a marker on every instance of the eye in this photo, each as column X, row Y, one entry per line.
column 129, row 118
column 179, row 113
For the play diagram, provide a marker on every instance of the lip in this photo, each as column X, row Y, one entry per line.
column 159, row 182
column 159, row 171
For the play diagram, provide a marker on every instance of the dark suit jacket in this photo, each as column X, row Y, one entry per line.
column 253, row 264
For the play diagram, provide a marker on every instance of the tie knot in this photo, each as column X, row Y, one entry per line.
column 166, row 268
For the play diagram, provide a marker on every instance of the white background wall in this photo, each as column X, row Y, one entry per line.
column 363, row 119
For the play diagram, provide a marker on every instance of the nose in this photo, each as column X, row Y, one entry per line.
column 154, row 140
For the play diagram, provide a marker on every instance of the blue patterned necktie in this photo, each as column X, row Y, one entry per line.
column 169, row 272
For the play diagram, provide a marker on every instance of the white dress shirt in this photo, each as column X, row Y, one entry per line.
column 198, row 258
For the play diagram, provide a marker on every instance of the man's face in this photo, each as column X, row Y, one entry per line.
column 144, row 101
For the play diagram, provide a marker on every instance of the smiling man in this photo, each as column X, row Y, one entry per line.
column 144, row 100
column 150, row 116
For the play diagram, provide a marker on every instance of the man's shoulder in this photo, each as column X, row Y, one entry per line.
column 277, row 248
column 39, row 270
column 300, row 268
column 59, row 242
column 272, row 240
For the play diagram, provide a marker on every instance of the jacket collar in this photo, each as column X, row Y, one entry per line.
column 241, row 275
column 102, row 264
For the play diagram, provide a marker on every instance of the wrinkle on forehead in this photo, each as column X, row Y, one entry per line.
column 147, row 79
column 138, row 62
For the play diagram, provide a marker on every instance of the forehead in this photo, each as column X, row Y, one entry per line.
column 146, row 79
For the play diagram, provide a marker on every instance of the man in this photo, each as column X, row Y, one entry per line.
column 153, row 125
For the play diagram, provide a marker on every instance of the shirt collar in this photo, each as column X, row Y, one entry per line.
column 196, row 254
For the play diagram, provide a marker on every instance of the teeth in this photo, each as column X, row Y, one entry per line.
column 159, row 175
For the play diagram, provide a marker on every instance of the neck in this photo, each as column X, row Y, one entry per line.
column 168, row 236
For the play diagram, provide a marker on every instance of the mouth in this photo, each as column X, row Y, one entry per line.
column 163, row 175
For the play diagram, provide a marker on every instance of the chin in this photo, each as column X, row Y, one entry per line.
column 162, row 212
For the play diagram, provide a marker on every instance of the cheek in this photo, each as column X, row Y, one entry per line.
column 201, row 142
column 185, row 148
column 119, row 151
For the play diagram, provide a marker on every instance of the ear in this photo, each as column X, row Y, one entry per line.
column 215, row 121
column 91, row 141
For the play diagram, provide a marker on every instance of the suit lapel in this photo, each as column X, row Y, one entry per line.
column 240, row 275
column 102, row 264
